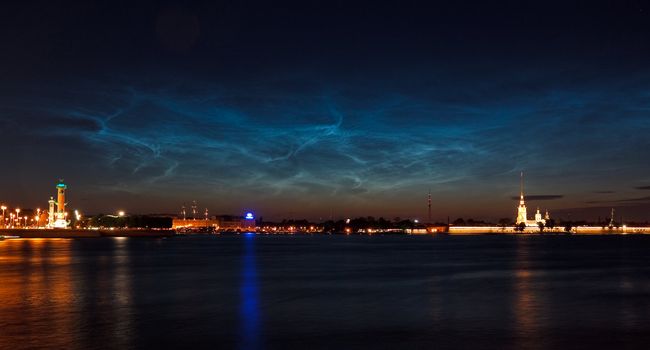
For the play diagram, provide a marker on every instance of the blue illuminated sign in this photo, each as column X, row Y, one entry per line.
column 249, row 216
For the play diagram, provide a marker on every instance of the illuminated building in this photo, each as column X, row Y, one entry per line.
column 50, row 212
column 219, row 222
column 58, row 218
column 249, row 221
column 522, row 215
column 230, row 222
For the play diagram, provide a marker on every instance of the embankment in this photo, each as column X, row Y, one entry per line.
column 76, row 233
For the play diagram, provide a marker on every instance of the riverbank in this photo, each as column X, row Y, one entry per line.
column 578, row 230
column 79, row 233
column 453, row 231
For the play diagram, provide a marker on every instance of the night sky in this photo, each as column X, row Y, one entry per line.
column 327, row 109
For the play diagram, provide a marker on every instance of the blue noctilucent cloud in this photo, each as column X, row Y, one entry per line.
column 326, row 125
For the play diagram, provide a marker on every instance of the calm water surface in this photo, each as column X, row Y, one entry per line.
column 326, row 292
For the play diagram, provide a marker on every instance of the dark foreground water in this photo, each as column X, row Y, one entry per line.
column 327, row 292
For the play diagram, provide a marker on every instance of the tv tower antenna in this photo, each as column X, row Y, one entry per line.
column 429, row 205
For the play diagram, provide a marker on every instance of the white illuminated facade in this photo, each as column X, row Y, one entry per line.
column 522, row 214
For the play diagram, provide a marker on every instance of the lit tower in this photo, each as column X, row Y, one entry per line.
column 51, row 212
column 538, row 217
column 60, row 215
column 521, row 210
column 611, row 219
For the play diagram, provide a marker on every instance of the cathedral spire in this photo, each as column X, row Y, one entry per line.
column 521, row 187
column 521, row 210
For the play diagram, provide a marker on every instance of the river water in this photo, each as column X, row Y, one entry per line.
column 326, row 292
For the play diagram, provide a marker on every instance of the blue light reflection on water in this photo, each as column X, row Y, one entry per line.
column 249, row 296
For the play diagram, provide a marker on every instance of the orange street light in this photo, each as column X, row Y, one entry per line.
column 3, row 207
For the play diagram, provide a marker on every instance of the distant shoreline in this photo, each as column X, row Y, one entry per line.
column 76, row 233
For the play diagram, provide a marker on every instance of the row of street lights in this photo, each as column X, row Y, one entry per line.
column 15, row 219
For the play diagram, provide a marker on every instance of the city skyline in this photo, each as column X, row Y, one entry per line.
column 328, row 109
column 193, row 210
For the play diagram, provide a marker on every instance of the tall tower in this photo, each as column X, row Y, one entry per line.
column 60, row 196
column 60, row 215
column 521, row 210
column 51, row 213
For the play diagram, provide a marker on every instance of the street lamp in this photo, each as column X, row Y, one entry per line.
column 18, row 215
column 3, row 207
column 120, row 213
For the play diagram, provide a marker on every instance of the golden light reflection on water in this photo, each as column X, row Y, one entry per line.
column 44, row 299
column 123, row 298
column 526, row 299
column 36, row 290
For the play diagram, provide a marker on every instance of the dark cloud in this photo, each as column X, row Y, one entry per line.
column 633, row 211
column 643, row 187
column 638, row 199
column 604, row 192
column 623, row 200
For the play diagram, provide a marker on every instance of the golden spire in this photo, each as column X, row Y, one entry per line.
column 521, row 186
